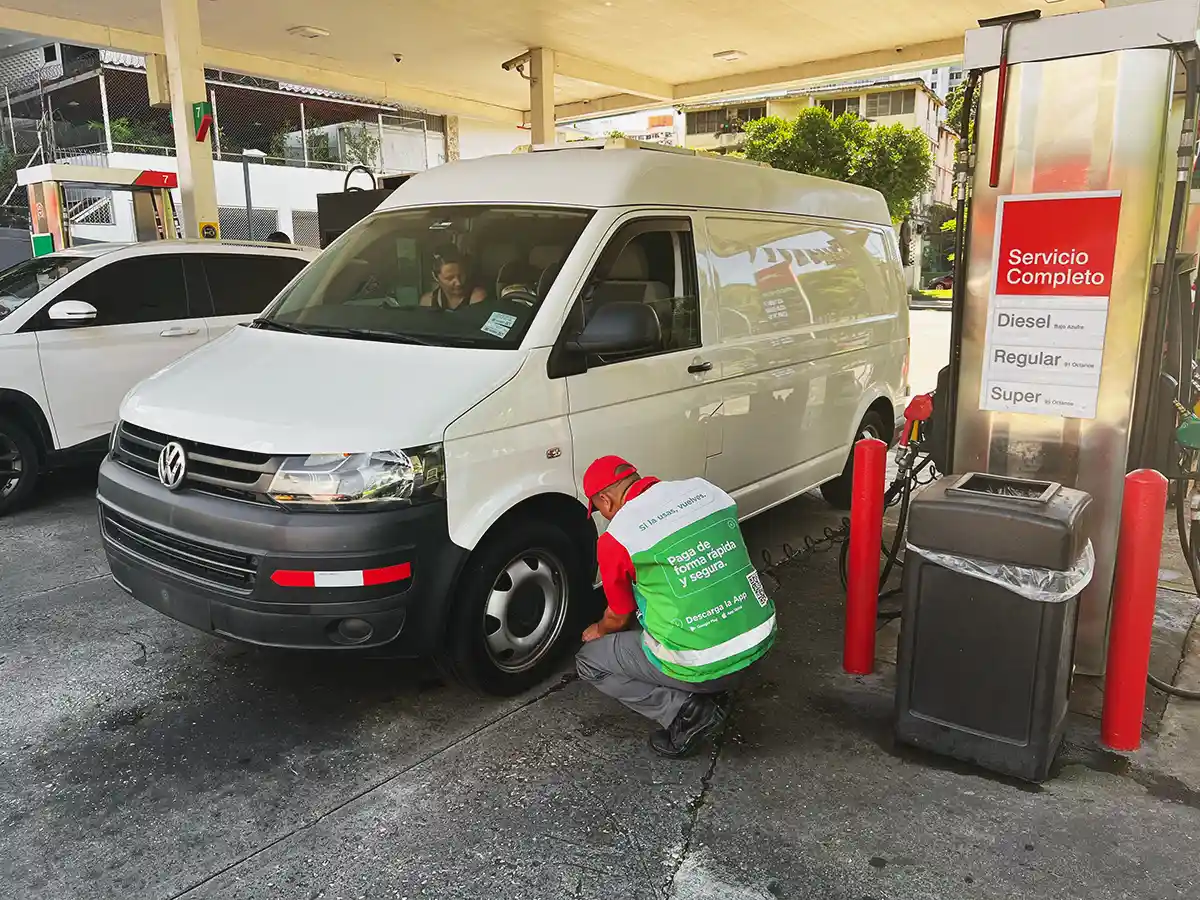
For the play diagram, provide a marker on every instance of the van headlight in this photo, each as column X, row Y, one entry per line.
column 332, row 481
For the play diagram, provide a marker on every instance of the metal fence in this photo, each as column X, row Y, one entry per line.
column 305, row 229
column 98, row 104
column 276, row 126
column 262, row 223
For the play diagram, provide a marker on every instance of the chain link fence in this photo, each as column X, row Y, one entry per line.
column 304, row 228
column 262, row 223
column 94, row 109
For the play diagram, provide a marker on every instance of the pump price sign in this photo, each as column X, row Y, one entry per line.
column 1048, row 307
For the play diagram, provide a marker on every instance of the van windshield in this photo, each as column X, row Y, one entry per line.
column 458, row 276
column 27, row 279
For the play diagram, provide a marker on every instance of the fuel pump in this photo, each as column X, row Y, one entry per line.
column 1074, row 334
column 154, row 215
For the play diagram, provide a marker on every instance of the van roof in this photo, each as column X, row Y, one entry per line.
column 623, row 173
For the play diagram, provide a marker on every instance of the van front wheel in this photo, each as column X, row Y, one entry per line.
column 522, row 601
column 838, row 491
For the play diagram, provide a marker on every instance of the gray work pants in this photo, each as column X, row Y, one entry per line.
column 617, row 666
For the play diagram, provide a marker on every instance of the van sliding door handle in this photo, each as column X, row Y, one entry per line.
column 179, row 332
column 697, row 367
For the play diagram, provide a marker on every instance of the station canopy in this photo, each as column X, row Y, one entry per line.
column 610, row 55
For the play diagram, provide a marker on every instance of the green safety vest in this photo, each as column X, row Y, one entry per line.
column 702, row 605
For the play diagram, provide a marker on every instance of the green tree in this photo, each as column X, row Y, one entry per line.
column 130, row 133
column 279, row 148
column 362, row 145
column 892, row 159
column 954, row 105
column 896, row 161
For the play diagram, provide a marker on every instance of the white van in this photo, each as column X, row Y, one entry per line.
column 390, row 458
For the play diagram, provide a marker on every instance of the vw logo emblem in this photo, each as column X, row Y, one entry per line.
column 172, row 465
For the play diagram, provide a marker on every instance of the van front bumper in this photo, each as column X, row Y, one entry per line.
column 254, row 573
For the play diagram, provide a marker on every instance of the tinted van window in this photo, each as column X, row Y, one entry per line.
column 243, row 285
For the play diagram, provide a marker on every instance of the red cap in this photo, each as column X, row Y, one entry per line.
column 604, row 472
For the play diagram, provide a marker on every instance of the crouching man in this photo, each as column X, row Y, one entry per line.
column 673, row 555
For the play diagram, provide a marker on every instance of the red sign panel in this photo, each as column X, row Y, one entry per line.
column 1057, row 246
column 150, row 178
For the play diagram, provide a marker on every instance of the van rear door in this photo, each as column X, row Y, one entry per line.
column 808, row 320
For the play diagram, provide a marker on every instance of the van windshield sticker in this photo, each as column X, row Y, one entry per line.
column 498, row 324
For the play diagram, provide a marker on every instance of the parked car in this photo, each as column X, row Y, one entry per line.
column 79, row 328
column 942, row 283
column 375, row 466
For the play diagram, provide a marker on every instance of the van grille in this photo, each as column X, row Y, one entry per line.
column 233, row 474
column 183, row 556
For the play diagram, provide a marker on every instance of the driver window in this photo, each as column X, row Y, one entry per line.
column 657, row 267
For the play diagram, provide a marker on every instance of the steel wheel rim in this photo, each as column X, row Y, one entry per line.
column 525, row 610
column 12, row 465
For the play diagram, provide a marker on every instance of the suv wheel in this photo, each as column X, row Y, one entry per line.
column 19, row 465
column 838, row 491
column 523, row 600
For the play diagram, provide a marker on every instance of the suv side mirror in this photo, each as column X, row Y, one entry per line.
column 67, row 313
column 623, row 326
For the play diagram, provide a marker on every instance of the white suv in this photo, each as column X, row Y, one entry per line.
column 81, row 327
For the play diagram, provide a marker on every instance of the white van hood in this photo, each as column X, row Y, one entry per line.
column 274, row 392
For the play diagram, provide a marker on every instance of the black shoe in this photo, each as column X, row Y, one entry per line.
column 699, row 717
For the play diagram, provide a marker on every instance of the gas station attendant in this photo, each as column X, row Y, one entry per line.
column 674, row 556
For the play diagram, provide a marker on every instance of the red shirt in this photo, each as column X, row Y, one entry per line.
column 616, row 568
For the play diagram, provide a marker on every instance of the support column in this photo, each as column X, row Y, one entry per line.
column 541, row 96
column 185, row 72
column 451, row 137
column 107, row 119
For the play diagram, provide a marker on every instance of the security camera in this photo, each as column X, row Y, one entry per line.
column 398, row 57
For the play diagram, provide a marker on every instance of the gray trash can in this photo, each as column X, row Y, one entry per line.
column 991, row 582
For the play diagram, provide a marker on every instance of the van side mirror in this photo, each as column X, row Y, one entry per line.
column 623, row 326
column 66, row 313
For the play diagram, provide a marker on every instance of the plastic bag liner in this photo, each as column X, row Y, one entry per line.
column 1032, row 582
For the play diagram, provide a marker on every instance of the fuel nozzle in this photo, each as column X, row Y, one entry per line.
column 1187, row 434
column 919, row 409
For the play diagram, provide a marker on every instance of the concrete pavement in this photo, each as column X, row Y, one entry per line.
column 140, row 759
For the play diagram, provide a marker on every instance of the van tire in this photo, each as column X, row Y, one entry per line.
column 16, row 442
column 543, row 560
column 837, row 493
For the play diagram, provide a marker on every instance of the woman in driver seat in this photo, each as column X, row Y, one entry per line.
column 450, row 275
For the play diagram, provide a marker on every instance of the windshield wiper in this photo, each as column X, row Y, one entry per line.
column 276, row 325
column 370, row 334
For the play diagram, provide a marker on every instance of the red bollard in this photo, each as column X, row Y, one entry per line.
column 862, row 576
column 1134, row 590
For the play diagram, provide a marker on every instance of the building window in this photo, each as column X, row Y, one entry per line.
column 892, row 103
column 50, row 53
column 706, row 121
column 752, row 113
column 841, row 105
